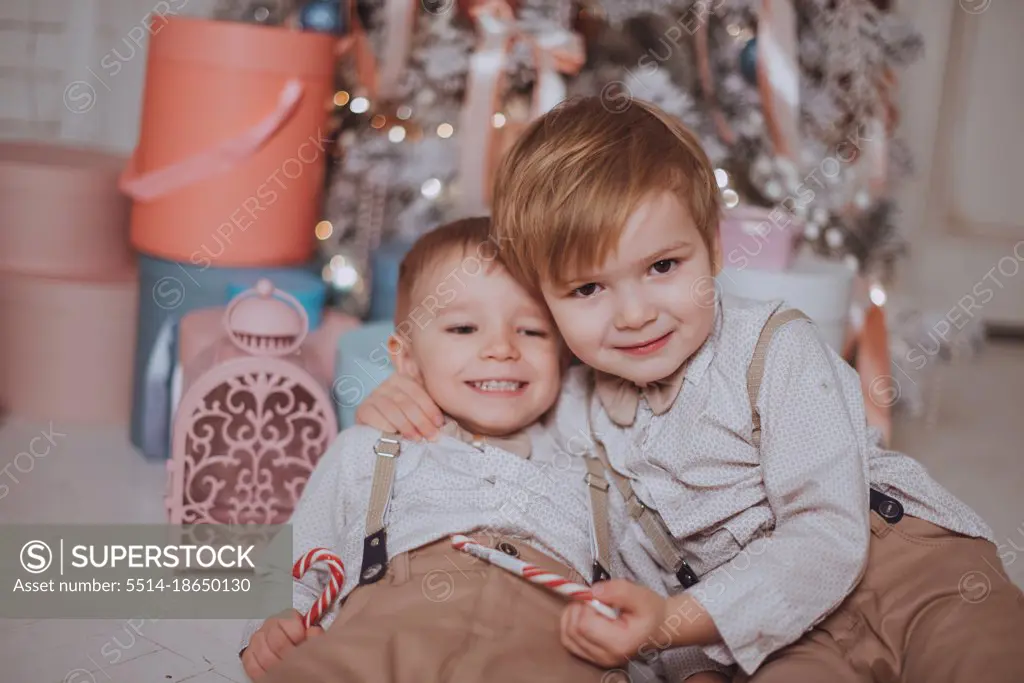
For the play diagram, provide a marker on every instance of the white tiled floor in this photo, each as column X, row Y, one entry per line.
column 972, row 444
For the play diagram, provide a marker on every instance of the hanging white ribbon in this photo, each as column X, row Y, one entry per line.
column 399, row 22
column 555, row 52
column 778, row 76
column 486, row 71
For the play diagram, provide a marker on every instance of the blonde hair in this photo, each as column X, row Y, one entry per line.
column 564, row 192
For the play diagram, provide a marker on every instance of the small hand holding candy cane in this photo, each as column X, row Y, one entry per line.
column 333, row 589
column 533, row 574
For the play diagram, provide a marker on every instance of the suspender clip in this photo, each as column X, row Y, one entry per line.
column 375, row 557
column 686, row 576
column 635, row 506
column 386, row 446
column 599, row 483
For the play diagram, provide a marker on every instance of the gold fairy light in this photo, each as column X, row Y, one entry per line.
column 323, row 230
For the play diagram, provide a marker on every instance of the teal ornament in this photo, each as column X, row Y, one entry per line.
column 322, row 16
column 748, row 61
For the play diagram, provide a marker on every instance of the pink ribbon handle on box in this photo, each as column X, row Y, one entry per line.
column 210, row 162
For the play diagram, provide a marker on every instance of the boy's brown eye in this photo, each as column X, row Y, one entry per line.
column 663, row 266
column 588, row 289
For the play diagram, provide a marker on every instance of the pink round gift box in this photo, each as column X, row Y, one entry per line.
column 67, row 345
column 62, row 212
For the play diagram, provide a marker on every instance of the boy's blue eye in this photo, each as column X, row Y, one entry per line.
column 664, row 266
column 461, row 329
column 589, row 289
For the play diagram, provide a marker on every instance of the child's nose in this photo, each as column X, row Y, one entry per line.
column 634, row 312
column 501, row 347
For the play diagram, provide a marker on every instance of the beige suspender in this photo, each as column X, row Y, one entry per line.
column 597, row 484
column 375, row 551
column 648, row 519
column 755, row 372
column 651, row 522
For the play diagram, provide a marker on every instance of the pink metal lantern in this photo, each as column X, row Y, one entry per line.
column 254, row 421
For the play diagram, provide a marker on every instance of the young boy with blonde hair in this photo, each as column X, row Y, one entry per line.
column 795, row 545
column 413, row 608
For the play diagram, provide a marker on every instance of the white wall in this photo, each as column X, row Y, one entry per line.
column 961, row 107
column 53, row 82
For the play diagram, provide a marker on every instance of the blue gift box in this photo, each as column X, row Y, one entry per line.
column 384, row 264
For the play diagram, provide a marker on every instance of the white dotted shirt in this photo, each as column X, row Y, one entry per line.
column 779, row 537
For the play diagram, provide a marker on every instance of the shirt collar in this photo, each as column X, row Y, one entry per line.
column 620, row 398
column 518, row 443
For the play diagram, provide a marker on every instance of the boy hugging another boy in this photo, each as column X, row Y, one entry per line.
column 796, row 546
column 414, row 609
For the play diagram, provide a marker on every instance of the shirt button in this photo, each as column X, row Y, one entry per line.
column 508, row 549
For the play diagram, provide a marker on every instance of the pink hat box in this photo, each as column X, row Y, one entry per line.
column 67, row 345
column 62, row 212
column 758, row 237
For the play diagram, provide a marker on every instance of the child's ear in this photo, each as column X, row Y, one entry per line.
column 400, row 352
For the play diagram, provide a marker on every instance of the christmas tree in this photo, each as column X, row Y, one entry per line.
column 793, row 100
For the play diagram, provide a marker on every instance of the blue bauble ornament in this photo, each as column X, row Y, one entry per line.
column 322, row 16
column 748, row 61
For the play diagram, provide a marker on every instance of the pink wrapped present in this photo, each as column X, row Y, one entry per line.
column 759, row 238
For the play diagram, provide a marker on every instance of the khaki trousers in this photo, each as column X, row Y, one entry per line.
column 440, row 615
column 932, row 607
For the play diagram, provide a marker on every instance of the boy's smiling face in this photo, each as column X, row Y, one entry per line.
column 650, row 305
column 490, row 356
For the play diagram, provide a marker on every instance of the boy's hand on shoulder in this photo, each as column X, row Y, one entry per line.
column 278, row 634
column 401, row 404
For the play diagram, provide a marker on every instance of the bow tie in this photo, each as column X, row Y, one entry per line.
column 518, row 443
column 621, row 398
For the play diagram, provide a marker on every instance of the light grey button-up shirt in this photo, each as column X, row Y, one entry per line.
column 779, row 537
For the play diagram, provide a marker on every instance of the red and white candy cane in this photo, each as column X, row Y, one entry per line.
column 533, row 574
column 333, row 589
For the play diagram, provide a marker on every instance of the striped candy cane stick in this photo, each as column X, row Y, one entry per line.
column 533, row 574
column 333, row 589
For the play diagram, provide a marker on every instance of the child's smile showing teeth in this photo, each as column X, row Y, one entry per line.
column 498, row 386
